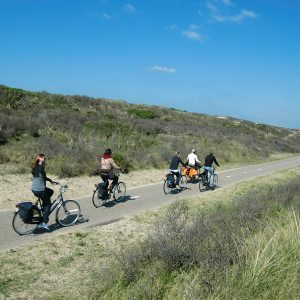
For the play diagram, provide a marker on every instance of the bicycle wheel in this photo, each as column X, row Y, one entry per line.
column 119, row 191
column 97, row 201
column 23, row 228
column 68, row 213
column 167, row 188
column 202, row 184
column 215, row 181
column 183, row 182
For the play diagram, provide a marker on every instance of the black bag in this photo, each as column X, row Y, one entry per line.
column 26, row 211
column 170, row 180
column 102, row 191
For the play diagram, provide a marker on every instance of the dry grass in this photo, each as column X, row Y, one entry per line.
column 66, row 266
column 16, row 188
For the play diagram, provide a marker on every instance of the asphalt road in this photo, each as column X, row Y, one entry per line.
column 138, row 199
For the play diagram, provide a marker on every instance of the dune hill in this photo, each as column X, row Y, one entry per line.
column 74, row 130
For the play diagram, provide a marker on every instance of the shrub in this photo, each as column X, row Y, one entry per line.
column 4, row 158
column 142, row 113
column 122, row 162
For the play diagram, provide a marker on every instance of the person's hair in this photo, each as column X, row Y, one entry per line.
column 107, row 151
column 36, row 161
column 177, row 152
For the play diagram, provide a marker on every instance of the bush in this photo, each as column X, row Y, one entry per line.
column 4, row 158
column 142, row 113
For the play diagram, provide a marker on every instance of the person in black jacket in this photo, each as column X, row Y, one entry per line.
column 174, row 167
column 209, row 160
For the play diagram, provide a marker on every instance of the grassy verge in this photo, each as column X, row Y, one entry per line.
column 241, row 236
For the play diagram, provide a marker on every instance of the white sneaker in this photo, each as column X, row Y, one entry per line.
column 44, row 226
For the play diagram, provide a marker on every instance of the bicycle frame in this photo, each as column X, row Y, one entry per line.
column 57, row 203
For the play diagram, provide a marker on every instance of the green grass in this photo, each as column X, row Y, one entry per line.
column 269, row 265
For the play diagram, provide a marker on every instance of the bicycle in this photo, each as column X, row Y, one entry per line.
column 204, row 181
column 118, row 193
column 67, row 213
column 169, row 183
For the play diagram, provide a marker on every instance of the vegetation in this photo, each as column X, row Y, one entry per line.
column 74, row 130
column 240, row 242
column 245, row 249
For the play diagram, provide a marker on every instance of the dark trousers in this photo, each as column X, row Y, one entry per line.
column 46, row 202
column 177, row 176
column 106, row 176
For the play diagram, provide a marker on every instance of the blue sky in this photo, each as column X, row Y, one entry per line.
column 219, row 57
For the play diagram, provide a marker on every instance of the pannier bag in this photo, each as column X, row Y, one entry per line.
column 193, row 172
column 185, row 171
column 26, row 211
column 170, row 180
column 102, row 191
column 190, row 171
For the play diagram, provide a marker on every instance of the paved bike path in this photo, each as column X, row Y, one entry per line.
column 138, row 199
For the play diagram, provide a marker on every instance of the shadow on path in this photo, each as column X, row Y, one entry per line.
column 56, row 226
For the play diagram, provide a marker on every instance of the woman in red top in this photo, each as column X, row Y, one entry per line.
column 107, row 167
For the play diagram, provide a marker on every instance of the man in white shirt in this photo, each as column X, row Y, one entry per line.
column 192, row 159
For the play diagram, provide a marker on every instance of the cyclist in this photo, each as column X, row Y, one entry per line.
column 194, row 163
column 209, row 160
column 192, row 160
column 107, row 169
column 173, row 168
column 39, row 188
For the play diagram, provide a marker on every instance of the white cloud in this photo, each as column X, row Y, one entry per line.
column 218, row 103
column 193, row 33
column 235, row 18
column 248, row 13
column 163, row 69
column 227, row 2
column 171, row 27
column 106, row 16
column 212, row 7
column 194, row 27
column 129, row 8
